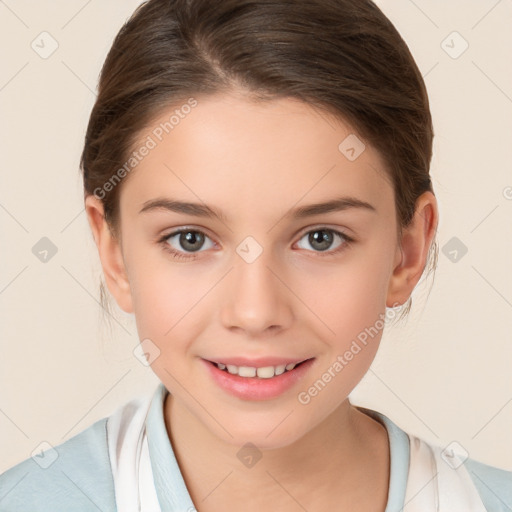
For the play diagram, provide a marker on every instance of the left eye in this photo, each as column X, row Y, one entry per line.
column 321, row 239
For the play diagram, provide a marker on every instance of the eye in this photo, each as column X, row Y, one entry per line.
column 186, row 242
column 322, row 238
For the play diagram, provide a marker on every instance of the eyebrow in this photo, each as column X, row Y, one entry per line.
column 203, row 210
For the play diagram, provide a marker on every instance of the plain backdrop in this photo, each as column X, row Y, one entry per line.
column 444, row 375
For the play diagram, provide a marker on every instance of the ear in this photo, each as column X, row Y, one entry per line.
column 411, row 256
column 110, row 252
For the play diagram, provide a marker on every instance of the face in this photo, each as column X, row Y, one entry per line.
column 268, row 282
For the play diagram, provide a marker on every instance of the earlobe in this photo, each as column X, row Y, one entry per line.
column 110, row 253
column 411, row 255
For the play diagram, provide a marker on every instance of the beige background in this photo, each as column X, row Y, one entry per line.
column 444, row 376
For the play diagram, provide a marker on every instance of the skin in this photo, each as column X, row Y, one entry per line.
column 255, row 162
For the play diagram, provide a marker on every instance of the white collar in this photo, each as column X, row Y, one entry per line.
column 432, row 484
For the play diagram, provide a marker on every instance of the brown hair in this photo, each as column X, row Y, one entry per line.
column 342, row 56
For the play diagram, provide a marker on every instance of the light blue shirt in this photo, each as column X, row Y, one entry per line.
column 80, row 478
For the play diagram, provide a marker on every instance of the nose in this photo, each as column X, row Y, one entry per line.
column 256, row 299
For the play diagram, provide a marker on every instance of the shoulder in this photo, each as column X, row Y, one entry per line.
column 455, row 470
column 457, row 473
column 493, row 484
column 75, row 475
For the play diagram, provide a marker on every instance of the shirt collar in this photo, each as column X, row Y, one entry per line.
column 399, row 453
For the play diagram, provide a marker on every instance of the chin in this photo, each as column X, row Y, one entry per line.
column 270, row 433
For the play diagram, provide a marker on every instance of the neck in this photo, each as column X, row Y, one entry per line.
column 340, row 460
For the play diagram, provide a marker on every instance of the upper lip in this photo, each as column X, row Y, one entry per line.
column 257, row 362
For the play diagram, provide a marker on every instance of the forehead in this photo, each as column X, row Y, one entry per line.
column 244, row 156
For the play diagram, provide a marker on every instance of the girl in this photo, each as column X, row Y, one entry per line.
column 256, row 180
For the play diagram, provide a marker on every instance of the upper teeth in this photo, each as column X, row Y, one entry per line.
column 265, row 372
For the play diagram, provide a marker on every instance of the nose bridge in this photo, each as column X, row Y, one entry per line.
column 256, row 299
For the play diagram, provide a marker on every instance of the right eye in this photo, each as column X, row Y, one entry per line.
column 189, row 241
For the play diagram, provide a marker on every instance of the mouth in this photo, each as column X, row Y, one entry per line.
column 265, row 379
column 262, row 372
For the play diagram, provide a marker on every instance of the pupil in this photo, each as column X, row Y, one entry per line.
column 324, row 240
column 187, row 240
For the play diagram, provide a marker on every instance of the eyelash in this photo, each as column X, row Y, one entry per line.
column 347, row 241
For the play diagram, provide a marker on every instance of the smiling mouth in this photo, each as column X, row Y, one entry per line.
column 264, row 372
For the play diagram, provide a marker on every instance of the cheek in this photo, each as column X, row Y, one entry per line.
column 351, row 302
column 350, row 296
column 167, row 304
column 353, row 307
column 155, row 287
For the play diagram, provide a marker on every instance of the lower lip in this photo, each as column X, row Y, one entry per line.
column 255, row 388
